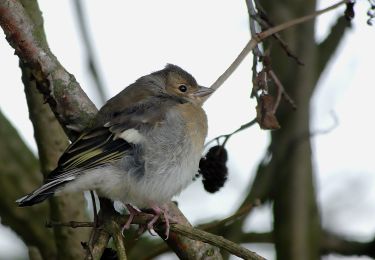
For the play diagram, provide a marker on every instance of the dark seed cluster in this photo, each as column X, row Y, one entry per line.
column 213, row 168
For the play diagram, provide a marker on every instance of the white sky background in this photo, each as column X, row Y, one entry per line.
column 134, row 38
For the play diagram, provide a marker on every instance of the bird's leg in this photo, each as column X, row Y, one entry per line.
column 158, row 212
column 132, row 213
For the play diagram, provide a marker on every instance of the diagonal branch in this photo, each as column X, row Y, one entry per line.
column 265, row 34
column 327, row 48
column 90, row 53
column 69, row 102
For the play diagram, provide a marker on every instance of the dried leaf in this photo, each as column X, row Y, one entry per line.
column 265, row 115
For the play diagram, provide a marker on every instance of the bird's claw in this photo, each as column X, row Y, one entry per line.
column 150, row 225
column 132, row 213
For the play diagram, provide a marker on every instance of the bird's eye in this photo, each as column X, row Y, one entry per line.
column 182, row 88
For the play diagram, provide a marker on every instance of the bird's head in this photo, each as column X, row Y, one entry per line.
column 179, row 83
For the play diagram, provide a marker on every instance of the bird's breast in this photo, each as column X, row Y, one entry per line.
column 171, row 153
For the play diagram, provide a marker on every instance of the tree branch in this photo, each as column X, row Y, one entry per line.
column 68, row 101
column 19, row 173
column 265, row 34
column 215, row 240
column 177, row 229
column 332, row 243
column 90, row 53
column 327, row 48
column 51, row 142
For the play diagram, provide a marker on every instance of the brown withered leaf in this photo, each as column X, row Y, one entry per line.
column 265, row 114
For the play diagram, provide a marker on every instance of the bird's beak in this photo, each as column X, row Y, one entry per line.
column 203, row 92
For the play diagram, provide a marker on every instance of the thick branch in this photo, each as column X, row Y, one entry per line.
column 221, row 242
column 51, row 142
column 327, row 48
column 337, row 244
column 69, row 102
column 186, row 247
column 19, row 173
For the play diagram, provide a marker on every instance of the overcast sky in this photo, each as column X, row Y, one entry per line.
column 133, row 38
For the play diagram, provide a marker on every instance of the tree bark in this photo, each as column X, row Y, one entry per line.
column 19, row 174
column 296, row 216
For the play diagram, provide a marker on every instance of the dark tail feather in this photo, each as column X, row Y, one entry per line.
column 32, row 199
column 42, row 193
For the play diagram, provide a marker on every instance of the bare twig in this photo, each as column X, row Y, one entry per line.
column 328, row 47
column 72, row 224
column 280, row 92
column 221, row 242
column 265, row 34
column 242, row 127
column 239, row 213
column 119, row 242
column 227, row 136
column 329, row 129
column 93, row 67
column 100, row 242
column 253, row 26
column 265, row 24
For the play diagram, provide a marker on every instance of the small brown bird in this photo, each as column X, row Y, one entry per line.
column 143, row 148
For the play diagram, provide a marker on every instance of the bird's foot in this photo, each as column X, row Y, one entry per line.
column 132, row 213
column 158, row 212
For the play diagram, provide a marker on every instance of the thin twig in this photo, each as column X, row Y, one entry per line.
column 252, row 22
column 227, row 136
column 92, row 65
column 302, row 19
column 265, row 24
column 239, row 213
column 72, row 224
column 101, row 241
column 280, row 92
column 242, row 127
column 218, row 241
column 119, row 242
column 329, row 129
column 265, row 34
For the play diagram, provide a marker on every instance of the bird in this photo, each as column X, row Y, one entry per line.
column 142, row 149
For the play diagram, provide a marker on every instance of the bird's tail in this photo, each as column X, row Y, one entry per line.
column 42, row 193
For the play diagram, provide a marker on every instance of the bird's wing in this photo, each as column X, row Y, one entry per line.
column 104, row 144
column 92, row 149
column 142, row 117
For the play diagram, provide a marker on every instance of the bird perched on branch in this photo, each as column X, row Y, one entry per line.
column 143, row 148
